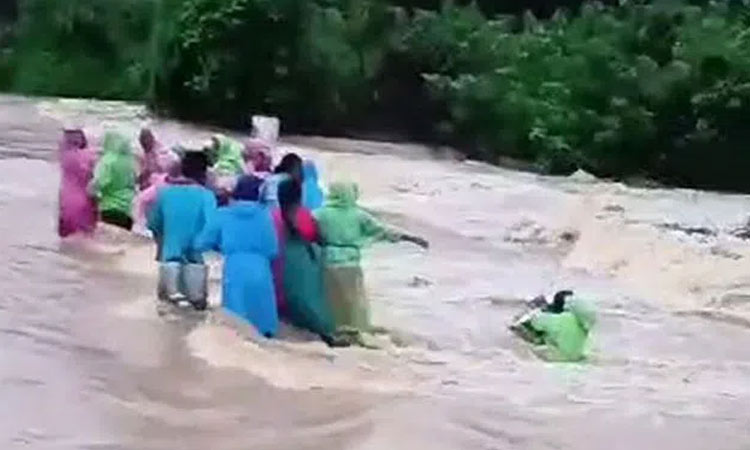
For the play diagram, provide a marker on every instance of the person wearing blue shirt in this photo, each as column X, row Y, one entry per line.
column 182, row 209
column 244, row 234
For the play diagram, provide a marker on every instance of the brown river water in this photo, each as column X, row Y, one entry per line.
column 89, row 360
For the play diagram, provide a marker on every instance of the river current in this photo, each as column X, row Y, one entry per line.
column 90, row 361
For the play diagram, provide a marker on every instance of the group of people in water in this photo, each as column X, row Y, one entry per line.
column 290, row 252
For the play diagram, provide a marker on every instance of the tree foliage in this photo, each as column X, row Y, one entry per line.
column 657, row 89
column 81, row 48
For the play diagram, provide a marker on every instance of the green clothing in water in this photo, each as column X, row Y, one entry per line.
column 229, row 157
column 114, row 176
column 345, row 228
column 306, row 303
column 565, row 333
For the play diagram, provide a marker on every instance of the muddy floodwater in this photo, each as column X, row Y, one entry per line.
column 90, row 361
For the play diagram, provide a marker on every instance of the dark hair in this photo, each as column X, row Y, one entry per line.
column 290, row 199
column 290, row 164
column 194, row 166
column 247, row 188
column 558, row 301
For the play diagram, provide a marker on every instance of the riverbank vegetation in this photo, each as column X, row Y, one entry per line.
column 658, row 89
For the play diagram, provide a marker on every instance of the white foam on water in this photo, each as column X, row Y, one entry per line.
column 298, row 366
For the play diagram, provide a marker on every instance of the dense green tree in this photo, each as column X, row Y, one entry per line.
column 656, row 89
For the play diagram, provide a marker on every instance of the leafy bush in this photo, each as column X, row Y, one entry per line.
column 636, row 89
column 83, row 48
column 315, row 64
column 656, row 89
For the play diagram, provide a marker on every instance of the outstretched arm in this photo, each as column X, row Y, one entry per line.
column 416, row 240
column 375, row 229
column 523, row 328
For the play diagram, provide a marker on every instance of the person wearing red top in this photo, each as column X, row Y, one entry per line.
column 298, row 276
column 301, row 219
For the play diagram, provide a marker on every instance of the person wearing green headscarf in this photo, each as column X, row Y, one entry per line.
column 561, row 328
column 345, row 229
column 227, row 165
column 114, row 181
column 228, row 156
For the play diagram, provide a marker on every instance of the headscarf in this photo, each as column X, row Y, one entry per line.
column 117, row 154
column 583, row 311
column 149, row 160
column 75, row 159
column 147, row 140
column 73, row 139
column 342, row 195
column 114, row 177
column 247, row 188
column 229, row 159
column 78, row 212
column 312, row 194
column 257, row 157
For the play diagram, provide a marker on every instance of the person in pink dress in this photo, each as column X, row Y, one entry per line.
column 146, row 198
column 156, row 158
column 257, row 157
column 77, row 208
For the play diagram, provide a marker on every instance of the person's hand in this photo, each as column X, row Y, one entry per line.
column 421, row 242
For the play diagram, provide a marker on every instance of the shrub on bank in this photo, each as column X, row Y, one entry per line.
column 640, row 89
column 82, row 48
column 632, row 90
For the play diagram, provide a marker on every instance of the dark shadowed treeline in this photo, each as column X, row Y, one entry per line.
column 638, row 89
column 83, row 48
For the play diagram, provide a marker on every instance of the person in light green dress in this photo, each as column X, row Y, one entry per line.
column 114, row 181
column 345, row 229
column 561, row 330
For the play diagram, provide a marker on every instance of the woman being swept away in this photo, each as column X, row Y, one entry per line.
column 114, row 181
column 344, row 230
column 78, row 212
column 560, row 329
column 298, row 270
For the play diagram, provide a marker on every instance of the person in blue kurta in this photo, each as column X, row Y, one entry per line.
column 312, row 194
column 244, row 233
column 181, row 210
